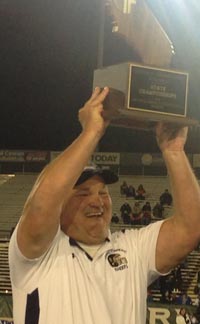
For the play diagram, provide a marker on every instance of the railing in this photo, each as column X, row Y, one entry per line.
column 5, row 284
column 4, row 236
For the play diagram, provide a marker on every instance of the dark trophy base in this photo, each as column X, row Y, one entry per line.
column 141, row 96
column 120, row 117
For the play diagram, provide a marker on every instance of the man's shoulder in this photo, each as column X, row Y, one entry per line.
column 15, row 252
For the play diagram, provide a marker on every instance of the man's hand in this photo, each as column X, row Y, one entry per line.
column 171, row 137
column 90, row 115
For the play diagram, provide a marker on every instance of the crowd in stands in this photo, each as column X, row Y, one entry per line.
column 184, row 317
column 172, row 294
column 141, row 213
column 140, row 193
column 130, row 191
column 166, row 198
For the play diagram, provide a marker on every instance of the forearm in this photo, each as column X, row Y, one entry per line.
column 185, row 188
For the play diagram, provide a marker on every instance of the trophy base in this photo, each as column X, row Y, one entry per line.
column 135, row 118
column 147, row 121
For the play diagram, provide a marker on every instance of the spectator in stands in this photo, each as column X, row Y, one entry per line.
column 198, row 279
column 149, row 296
column 196, row 302
column 196, row 290
column 124, row 188
column 65, row 264
column 158, row 210
column 140, row 193
column 136, row 215
column 174, row 297
column 166, row 198
column 115, row 218
column 130, row 192
column 166, row 284
column 184, row 299
column 193, row 319
column 183, row 317
column 126, row 218
column 125, row 210
column 177, row 278
column 167, row 298
column 146, row 213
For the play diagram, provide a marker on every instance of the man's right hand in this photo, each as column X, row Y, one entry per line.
column 90, row 115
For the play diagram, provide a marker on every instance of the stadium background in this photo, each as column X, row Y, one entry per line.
column 44, row 81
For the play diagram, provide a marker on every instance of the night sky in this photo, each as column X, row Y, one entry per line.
column 47, row 56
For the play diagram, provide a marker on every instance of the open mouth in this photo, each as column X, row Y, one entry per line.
column 93, row 215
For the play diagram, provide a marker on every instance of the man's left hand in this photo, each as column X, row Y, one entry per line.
column 171, row 137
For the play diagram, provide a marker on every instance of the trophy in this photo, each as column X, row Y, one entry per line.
column 140, row 95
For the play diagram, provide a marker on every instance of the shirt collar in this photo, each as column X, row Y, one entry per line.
column 73, row 242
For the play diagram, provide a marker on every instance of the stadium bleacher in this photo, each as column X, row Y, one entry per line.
column 14, row 190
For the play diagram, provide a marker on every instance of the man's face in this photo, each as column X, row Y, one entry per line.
column 87, row 213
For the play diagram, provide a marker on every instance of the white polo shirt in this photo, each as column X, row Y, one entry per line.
column 67, row 286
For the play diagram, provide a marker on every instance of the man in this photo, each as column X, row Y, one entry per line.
column 81, row 273
column 166, row 198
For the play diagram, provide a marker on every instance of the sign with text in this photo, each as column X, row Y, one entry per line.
column 158, row 90
column 11, row 156
column 105, row 158
column 23, row 156
column 165, row 314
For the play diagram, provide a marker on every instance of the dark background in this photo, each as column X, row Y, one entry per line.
column 48, row 53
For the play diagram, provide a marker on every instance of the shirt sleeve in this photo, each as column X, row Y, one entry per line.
column 143, row 244
column 23, row 270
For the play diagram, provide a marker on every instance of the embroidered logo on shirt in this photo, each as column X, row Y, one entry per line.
column 117, row 260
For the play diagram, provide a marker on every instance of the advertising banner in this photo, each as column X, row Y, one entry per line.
column 36, row 156
column 106, row 158
column 23, row 156
column 11, row 156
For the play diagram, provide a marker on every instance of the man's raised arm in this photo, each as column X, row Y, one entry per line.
column 180, row 234
column 41, row 215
